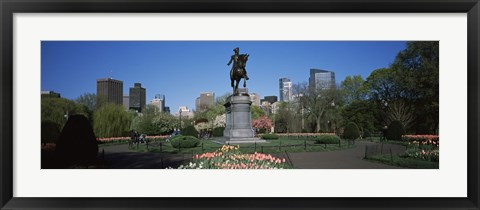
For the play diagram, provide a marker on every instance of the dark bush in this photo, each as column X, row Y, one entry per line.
column 366, row 134
column 351, row 131
column 395, row 131
column 77, row 144
column 218, row 131
column 269, row 136
column 189, row 131
column 181, row 141
column 50, row 131
column 327, row 139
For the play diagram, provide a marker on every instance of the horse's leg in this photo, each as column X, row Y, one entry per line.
column 236, row 85
column 244, row 82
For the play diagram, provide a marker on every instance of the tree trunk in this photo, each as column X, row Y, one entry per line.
column 319, row 118
column 318, row 124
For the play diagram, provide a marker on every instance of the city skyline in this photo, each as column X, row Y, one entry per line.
column 182, row 69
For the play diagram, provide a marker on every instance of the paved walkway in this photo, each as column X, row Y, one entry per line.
column 120, row 157
column 344, row 159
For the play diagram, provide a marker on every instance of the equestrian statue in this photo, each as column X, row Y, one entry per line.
column 238, row 70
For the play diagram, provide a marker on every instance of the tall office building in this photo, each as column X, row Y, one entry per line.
column 159, row 102
column 285, row 86
column 137, row 97
column 126, row 102
column 184, row 112
column 109, row 90
column 322, row 79
column 270, row 99
column 205, row 100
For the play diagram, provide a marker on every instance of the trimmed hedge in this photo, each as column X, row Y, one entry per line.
column 218, row 131
column 189, row 131
column 269, row 136
column 351, row 131
column 181, row 141
column 395, row 131
column 327, row 139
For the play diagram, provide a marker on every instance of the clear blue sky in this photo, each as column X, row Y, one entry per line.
column 182, row 69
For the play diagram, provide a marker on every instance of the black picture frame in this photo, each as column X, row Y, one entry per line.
column 9, row 7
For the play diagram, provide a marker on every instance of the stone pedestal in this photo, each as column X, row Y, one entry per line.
column 239, row 121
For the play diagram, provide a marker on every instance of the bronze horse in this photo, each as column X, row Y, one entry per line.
column 238, row 72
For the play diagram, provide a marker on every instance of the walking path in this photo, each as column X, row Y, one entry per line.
column 343, row 159
column 120, row 157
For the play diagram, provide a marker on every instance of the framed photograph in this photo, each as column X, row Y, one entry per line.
column 349, row 98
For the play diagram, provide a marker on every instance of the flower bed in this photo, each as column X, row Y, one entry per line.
column 422, row 139
column 229, row 157
column 421, row 154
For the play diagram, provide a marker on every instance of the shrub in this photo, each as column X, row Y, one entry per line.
column 269, row 136
column 50, row 131
column 77, row 143
column 351, row 131
column 218, row 131
column 181, row 141
column 189, row 131
column 366, row 134
column 327, row 139
column 395, row 131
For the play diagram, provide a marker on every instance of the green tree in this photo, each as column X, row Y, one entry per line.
column 354, row 89
column 154, row 122
column 164, row 123
column 360, row 112
column 56, row 110
column 257, row 112
column 419, row 64
column 384, row 87
column 111, row 120
column 318, row 101
column 89, row 100
column 400, row 111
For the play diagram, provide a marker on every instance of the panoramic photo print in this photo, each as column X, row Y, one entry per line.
column 239, row 105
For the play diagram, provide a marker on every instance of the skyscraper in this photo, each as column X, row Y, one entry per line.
column 137, row 97
column 285, row 87
column 322, row 79
column 271, row 99
column 159, row 102
column 126, row 102
column 205, row 100
column 109, row 90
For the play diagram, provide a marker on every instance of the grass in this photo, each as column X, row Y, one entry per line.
column 291, row 145
column 404, row 162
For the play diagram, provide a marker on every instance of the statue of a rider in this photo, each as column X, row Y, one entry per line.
column 234, row 59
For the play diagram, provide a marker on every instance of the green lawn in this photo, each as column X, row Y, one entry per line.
column 272, row 146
